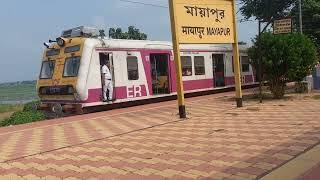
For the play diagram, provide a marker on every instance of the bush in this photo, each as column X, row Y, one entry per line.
column 31, row 106
column 23, row 117
column 284, row 58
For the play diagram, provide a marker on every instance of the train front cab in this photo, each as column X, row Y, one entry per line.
column 57, row 83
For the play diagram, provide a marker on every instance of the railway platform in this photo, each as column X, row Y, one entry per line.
column 217, row 141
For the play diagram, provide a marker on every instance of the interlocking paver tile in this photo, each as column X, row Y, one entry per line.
column 218, row 141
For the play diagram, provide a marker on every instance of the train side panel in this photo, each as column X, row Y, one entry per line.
column 198, row 81
column 125, row 89
column 247, row 76
column 131, row 81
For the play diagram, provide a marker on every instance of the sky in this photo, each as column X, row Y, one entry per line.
column 26, row 25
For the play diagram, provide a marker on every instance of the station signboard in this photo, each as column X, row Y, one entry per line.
column 204, row 21
column 282, row 26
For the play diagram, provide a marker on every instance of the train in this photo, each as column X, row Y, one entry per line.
column 70, row 74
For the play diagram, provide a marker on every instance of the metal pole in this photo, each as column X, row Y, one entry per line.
column 236, row 62
column 300, row 16
column 176, row 50
column 259, row 64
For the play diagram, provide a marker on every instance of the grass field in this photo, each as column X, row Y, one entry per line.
column 6, row 110
column 14, row 95
column 17, row 93
column 10, row 107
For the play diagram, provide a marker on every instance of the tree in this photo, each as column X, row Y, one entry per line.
column 310, row 19
column 266, row 10
column 133, row 33
column 242, row 43
column 284, row 58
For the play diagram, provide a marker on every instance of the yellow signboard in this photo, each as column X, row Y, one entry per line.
column 204, row 21
column 282, row 26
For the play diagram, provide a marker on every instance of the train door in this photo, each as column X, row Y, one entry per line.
column 160, row 73
column 218, row 70
column 107, row 57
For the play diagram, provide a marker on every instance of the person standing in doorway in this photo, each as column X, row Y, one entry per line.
column 107, row 82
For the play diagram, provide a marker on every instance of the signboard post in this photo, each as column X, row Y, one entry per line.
column 203, row 22
column 177, row 59
column 235, row 45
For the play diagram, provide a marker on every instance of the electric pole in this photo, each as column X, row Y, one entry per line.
column 300, row 15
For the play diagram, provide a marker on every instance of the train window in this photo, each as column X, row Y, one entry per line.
column 132, row 66
column 72, row 49
column 71, row 67
column 53, row 52
column 47, row 69
column 245, row 65
column 199, row 66
column 186, row 65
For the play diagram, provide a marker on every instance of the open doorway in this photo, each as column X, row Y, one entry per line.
column 218, row 70
column 160, row 73
column 106, row 58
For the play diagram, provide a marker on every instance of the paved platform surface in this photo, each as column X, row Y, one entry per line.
column 218, row 141
column 312, row 174
column 303, row 167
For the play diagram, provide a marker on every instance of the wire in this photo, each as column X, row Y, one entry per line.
column 146, row 4
column 162, row 6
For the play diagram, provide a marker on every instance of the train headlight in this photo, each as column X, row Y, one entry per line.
column 61, row 42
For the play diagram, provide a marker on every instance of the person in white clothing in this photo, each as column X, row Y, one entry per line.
column 107, row 82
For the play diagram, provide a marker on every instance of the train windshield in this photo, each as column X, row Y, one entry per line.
column 71, row 67
column 47, row 70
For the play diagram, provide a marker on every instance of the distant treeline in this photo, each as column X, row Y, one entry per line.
column 9, row 84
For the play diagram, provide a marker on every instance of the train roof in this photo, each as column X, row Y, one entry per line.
column 148, row 44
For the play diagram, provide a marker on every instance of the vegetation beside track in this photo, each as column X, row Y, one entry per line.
column 25, row 114
column 6, row 110
column 13, row 95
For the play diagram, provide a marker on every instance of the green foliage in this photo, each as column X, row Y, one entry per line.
column 133, row 33
column 265, row 10
column 310, row 18
column 27, row 115
column 284, row 58
column 31, row 106
column 302, row 55
column 23, row 117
